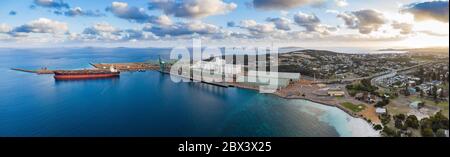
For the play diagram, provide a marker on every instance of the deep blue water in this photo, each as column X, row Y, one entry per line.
column 146, row 103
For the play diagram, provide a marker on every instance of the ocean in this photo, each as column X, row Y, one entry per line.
column 147, row 104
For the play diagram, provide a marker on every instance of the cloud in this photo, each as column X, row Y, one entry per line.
column 433, row 10
column 183, row 28
column 366, row 21
column 231, row 24
column 283, row 4
column 405, row 28
column 77, row 11
column 259, row 30
column 12, row 13
column 255, row 27
column 163, row 20
column 341, row 3
column 105, row 32
column 312, row 23
column 42, row 25
column 431, row 33
column 192, row 8
column 52, row 4
column 134, row 14
column 100, row 28
column 280, row 23
column 135, row 34
column 4, row 28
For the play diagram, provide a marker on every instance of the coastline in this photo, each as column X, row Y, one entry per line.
column 302, row 98
column 339, row 107
column 238, row 85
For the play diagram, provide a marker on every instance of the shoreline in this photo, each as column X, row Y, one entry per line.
column 303, row 98
column 238, row 85
column 241, row 86
column 339, row 107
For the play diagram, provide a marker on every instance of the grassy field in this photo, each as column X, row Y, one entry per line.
column 353, row 107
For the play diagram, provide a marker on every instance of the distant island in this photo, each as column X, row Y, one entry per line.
column 428, row 50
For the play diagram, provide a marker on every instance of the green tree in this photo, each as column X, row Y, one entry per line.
column 427, row 132
column 401, row 117
column 439, row 121
column 412, row 122
column 434, row 92
column 390, row 132
column 440, row 133
column 377, row 127
column 385, row 119
column 425, row 123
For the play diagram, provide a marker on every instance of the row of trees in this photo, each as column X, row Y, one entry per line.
column 428, row 73
column 434, row 126
column 363, row 86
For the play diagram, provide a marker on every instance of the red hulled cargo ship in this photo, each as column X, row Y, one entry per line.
column 85, row 74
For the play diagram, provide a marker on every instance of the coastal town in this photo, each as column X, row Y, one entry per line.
column 401, row 94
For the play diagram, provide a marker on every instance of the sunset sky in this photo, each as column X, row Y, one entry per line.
column 165, row 23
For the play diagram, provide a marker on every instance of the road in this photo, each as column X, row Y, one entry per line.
column 377, row 76
column 391, row 73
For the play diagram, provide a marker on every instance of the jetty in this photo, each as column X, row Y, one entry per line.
column 40, row 71
column 218, row 84
column 127, row 66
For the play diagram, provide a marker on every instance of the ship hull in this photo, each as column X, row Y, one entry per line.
column 85, row 76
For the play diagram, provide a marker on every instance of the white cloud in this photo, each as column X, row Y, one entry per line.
column 162, row 20
column 4, row 28
column 105, row 32
column 184, row 29
column 366, row 21
column 259, row 30
column 432, row 10
column 405, row 28
column 134, row 14
column 51, row 4
column 77, row 11
column 282, row 4
column 43, row 25
column 192, row 8
column 341, row 3
column 312, row 23
column 281, row 23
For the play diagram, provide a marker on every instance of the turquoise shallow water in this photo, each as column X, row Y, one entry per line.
column 147, row 103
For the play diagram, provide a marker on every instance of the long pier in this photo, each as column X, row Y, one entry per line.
column 41, row 71
column 201, row 81
column 126, row 66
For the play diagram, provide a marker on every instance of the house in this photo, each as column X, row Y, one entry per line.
column 359, row 96
column 416, row 104
column 335, row 92
column 412, row 83
column 366, row 97
column 380, row 111
column 320, row 85
column 412, row 90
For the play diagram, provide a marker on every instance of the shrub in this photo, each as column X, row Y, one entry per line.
column 427, row 132
column 377, row 127
column 412, row 122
